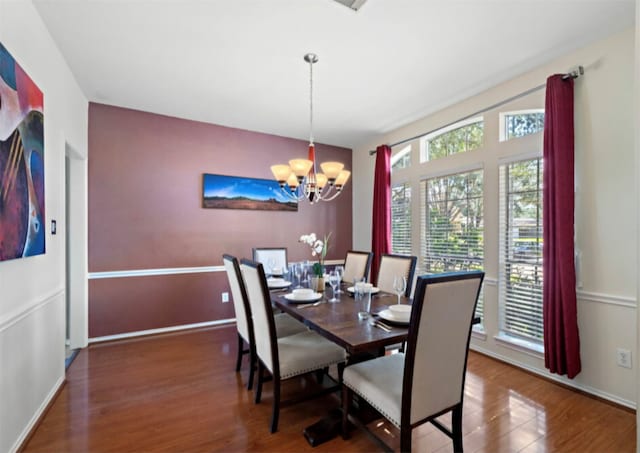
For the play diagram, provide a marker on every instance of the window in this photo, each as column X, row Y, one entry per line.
column 521, row 239
column 401, row 219
column 458, row 138
column 519, row 124
column 453, row 224
column 401, row 159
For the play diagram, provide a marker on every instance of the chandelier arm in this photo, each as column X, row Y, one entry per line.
column 325, row 193
column 334, row 196
column 290, row 194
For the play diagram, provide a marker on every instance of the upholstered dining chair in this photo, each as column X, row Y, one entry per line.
column 427, row 381
column 395, row 265
column 271, row 257
column 356, row 265
column 285, row 324
column 285, row 357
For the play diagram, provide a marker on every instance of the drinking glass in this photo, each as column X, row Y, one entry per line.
column 340, row 271
column 334, row 281
column 358, row 283
column 365, row 288
column 399, row 285
column 297, row 268
column 291, row 273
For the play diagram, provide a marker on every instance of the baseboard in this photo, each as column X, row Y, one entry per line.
column 607, row 397
column 37, row 418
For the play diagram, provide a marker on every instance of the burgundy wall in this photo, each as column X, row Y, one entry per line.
column 145, row 212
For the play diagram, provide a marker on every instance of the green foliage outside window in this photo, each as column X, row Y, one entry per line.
column 460, row 140
column 402, row 159
column 521, row 124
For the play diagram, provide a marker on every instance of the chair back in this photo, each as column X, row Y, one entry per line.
column 356, row 265
column 392, row 266
column 239, row 296
column 262, row 314
column 271, row 256
column 438, row 343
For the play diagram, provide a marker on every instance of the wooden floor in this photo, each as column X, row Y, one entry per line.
column 179, row 393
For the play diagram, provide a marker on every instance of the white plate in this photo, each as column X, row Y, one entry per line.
column 374, row 290
column 303, row 299
column 275, row 283
column 388, row 315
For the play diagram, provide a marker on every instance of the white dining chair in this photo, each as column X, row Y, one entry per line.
column 285, row 324
column 285, row 357
column 426, row 381
column 392, row 266
column 356, row 265
column 271, row 258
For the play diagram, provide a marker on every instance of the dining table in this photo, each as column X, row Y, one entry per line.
column 339, row 321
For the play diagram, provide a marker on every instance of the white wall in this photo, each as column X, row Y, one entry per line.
column 605, row 213
column 32, row 290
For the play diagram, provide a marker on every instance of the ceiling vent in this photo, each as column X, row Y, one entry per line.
column 353, row 4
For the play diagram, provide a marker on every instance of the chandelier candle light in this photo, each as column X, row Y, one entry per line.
column 301, row 176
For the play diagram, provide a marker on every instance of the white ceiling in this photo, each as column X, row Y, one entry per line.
column 240, row 63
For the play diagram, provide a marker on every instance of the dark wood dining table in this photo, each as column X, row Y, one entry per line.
column 339, row 321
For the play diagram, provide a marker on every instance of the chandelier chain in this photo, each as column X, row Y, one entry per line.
column 311, row 102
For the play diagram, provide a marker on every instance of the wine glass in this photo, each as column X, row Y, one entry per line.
column 334, row 281
column 340, row 271
column 272, row 264
column 399, row 285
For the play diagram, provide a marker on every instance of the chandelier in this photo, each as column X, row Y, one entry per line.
column 300, row 179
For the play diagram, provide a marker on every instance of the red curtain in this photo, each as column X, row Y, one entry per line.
column 381, row 223
column 561, row 339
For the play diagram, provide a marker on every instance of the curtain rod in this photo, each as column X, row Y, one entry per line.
column 574, row 74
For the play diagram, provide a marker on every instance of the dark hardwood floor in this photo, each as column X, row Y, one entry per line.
column 179, row 393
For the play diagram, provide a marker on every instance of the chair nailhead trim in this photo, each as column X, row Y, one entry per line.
column 375, row 406
column 308, row 370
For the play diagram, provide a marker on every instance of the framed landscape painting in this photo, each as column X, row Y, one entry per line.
column 22, row 231
column 236, row 192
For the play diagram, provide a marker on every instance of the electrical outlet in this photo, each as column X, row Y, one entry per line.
column 623, row 358
column 225, row 298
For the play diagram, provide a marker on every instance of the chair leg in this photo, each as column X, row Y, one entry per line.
column 456, row 428
column 240, row 347
column 276, row 405
column 320, row 374
column 346, row 402
column 340, row 371
column 405, row 439
column 252, row 366
column 260, row 379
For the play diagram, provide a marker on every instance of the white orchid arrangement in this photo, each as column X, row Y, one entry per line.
column 319, row 248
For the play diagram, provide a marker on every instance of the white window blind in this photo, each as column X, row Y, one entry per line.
column 453, row 224
column 401, row 219
column 520, row 274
